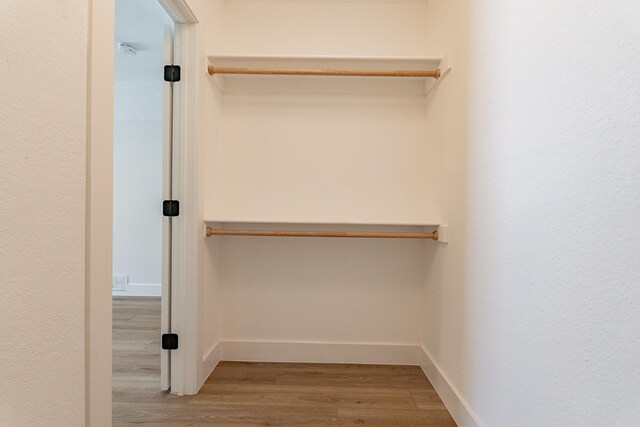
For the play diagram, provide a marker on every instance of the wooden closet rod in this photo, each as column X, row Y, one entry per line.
column 213, row 70
column 285, row 233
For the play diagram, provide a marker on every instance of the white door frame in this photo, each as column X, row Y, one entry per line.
column 100, row 79
column 184, row 170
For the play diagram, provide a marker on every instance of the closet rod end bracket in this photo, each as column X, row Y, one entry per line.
column 442, row 234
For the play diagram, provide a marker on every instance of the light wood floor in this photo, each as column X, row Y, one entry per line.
column 261, row 394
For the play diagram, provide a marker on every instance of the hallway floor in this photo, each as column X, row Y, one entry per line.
column 261, row 394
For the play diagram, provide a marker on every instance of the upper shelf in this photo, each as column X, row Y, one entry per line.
column 324, row 223
column 242, row 71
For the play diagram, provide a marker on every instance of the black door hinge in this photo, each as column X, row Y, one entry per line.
column 171, row 208
column 169, row 341
column 171, row 73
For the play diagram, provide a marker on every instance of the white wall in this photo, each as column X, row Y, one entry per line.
column 531, row 310
column 323, row 157
column 350, row 28
column 137, row 173
column 42, row 221
column 209, row 28
column 321, row 290
column 327, row 153
column 138, row 146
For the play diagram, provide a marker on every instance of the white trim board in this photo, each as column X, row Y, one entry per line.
column 459, row 409
column 99, row 252
column 312, row 352
column 209, row 363
column 140, row 290
column 257, row 222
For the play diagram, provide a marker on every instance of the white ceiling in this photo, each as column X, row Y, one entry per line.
column 140, row 23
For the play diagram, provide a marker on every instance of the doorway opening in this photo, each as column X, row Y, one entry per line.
column 99, row 297
column 142, row 180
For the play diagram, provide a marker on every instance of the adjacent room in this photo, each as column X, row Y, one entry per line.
column 143, row 43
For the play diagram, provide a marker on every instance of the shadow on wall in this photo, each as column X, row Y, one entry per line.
column 447, row 334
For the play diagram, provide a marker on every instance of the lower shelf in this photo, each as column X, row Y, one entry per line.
column 219, row 228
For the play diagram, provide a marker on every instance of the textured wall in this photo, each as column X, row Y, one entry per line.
column 532, row 309
column 42, row 218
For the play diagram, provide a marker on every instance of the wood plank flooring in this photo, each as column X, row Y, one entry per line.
column 261, row 394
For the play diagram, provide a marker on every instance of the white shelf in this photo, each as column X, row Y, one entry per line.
column 253, row 83
column 327, row 223
column 381, row 226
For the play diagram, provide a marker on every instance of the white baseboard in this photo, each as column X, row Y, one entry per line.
column 310, row 352
column 140, row 290
column 209, row 363
column 457, row 406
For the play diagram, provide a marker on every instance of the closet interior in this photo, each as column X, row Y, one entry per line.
column 317, row 126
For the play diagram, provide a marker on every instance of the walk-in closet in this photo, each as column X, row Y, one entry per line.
column 321, row 179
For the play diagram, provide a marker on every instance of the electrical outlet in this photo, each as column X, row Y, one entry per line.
column 119, row 282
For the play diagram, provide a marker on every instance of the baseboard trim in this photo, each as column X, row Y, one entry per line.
column 140, row 290
column 209, row 363
column 460, row 410
column 312, row 352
